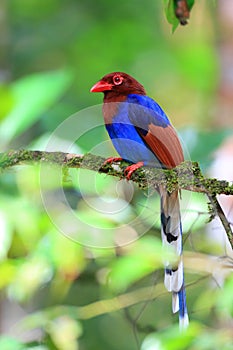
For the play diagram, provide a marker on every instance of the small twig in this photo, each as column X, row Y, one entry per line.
column 140, row 328
column 219, row 212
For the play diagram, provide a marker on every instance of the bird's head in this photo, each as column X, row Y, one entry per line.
column 118, row 84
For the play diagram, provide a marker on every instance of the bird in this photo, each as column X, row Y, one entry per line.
column 143, row 135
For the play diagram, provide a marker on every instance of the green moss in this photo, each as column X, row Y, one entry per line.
column 187, row 175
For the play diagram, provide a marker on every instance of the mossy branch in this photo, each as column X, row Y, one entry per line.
column 187, row 176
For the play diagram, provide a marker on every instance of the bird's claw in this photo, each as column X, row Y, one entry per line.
column 111, row 160
column 129, row 170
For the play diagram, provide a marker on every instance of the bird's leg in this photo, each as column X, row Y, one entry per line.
column 111, row 160
column 129, row 170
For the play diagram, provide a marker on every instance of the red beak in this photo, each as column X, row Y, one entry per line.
column 101, row 86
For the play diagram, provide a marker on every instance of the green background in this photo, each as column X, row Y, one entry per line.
column 51, row 53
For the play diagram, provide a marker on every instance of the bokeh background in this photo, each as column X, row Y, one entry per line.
column 51, row 53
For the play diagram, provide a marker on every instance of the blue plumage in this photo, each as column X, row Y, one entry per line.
column 152, row 112
column 126, row 123
column 125, row 142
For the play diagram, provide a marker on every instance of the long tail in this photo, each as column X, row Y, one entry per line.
column 171, row 231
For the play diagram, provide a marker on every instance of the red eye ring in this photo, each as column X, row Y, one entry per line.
column 117, row 80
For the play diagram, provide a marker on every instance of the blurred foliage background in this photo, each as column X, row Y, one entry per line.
column 54, row 291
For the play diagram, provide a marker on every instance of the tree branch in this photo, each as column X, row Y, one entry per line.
column 186, row 176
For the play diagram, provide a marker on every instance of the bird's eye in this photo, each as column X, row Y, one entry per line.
column 117, row 80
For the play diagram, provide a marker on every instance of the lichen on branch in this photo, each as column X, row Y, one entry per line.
column 186, row 176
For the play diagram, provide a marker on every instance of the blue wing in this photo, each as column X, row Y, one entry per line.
column 156, row 130
column 125, row 137
column 151, row 111
column 141, row 131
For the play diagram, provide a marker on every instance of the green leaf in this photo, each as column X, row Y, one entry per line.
column 170, row 8
column 170, row 14
column 33, row 95
column 8, row 271
column 172, row 338
column 190, row 4
column 64, row 332
column 7, row 100
column 225, row 300
column 8, row 343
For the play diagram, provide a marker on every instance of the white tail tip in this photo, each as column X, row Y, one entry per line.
column 175, row 302
column 184, row 322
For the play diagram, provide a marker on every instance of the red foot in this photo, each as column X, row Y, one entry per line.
column 129, row 170
column 111, row 160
